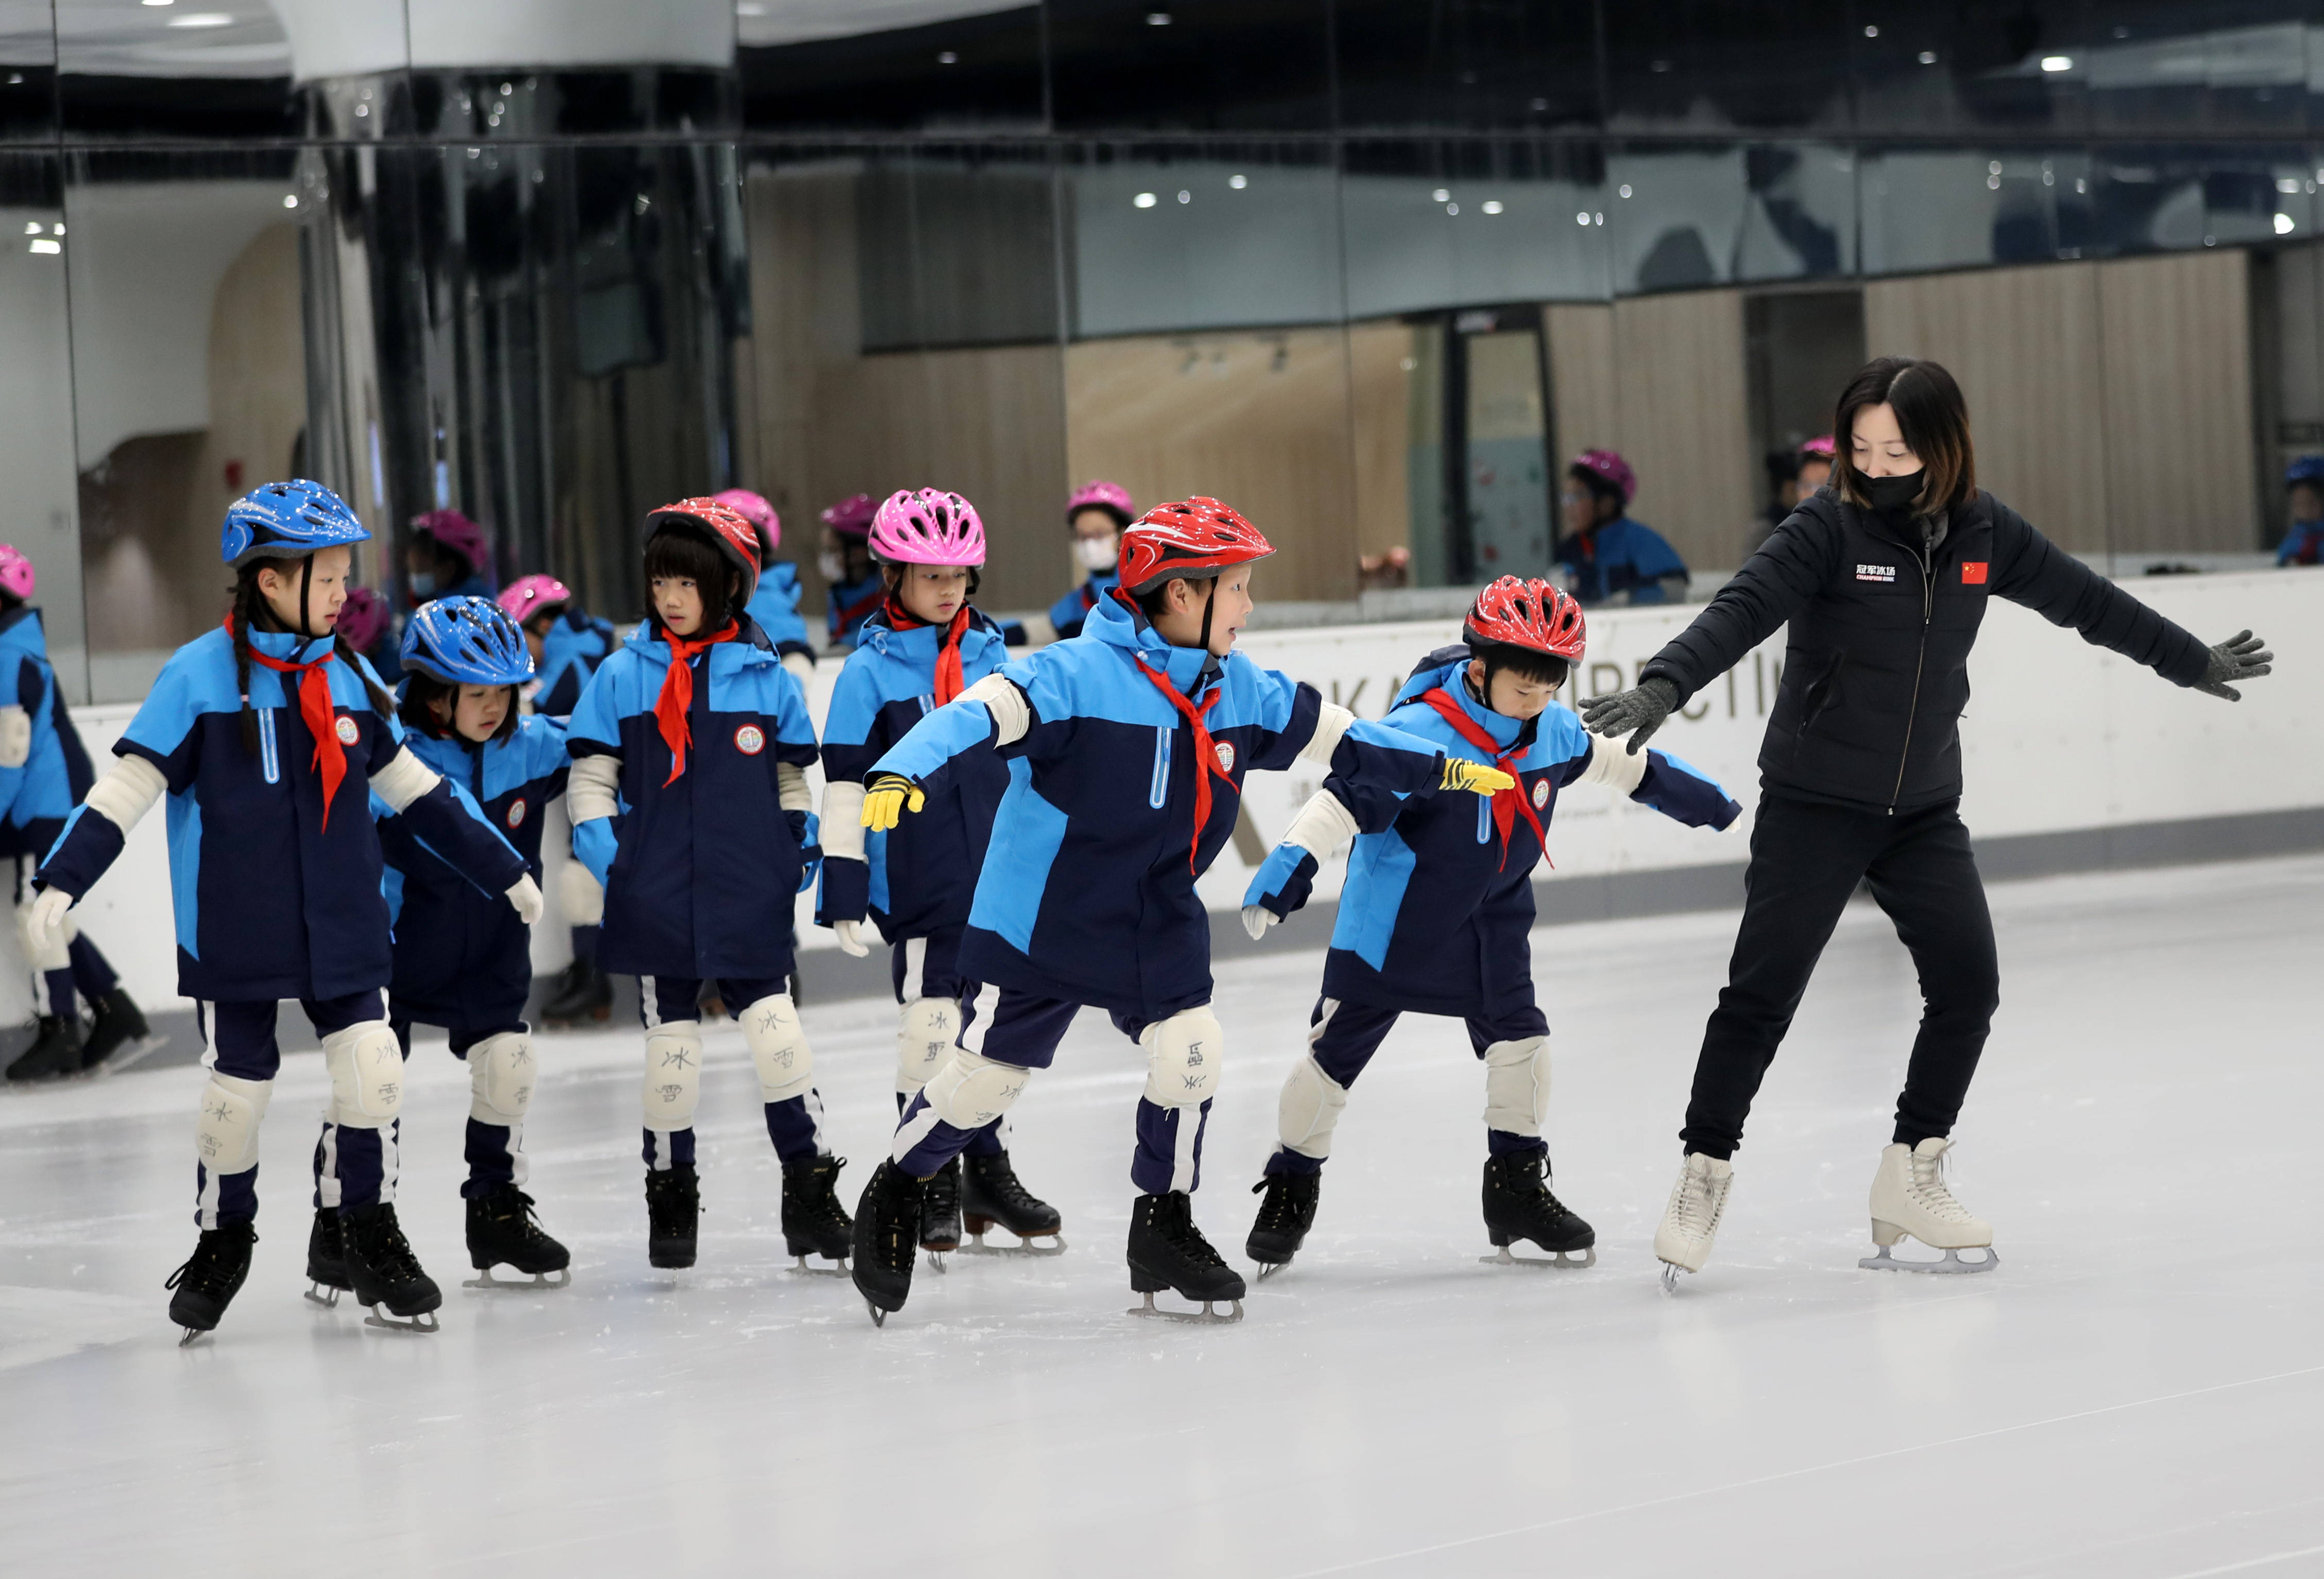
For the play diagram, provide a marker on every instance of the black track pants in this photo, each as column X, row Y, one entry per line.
column 1806, row 859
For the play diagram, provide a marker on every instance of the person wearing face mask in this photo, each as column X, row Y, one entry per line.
column 856, row 589
column 1611, row 558
column 1883, row 578
column 1096, row 515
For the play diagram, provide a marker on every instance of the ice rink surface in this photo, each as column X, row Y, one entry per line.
column 2137, row 1391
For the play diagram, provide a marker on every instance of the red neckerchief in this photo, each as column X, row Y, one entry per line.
column 857, row 610
column 677, row 698
column 1089, row 597
column 1507, row 802
column 949, row 680
column 1206, row 754
column 315, row 709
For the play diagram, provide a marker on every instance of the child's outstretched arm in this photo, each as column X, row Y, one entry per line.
column 454, row 827
column 1671, row 785
column 995, row 714
column 593, row 789
column 1287, row 877
column 1298, row 726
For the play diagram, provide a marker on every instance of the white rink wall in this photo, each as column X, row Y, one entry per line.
column 2059, row 737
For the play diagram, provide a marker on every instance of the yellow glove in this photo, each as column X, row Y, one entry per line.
column 890, row 795
column 1460, row 773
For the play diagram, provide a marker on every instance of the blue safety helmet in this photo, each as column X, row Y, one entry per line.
column 466, row 641
column 2308, row 469
column 287, row 521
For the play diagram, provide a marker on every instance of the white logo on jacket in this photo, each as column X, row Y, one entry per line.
column 348, row 730
column 750, row 740
column 1876, row 572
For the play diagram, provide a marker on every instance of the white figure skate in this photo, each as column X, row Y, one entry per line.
column 1909, row 1197
column 1691, row 1221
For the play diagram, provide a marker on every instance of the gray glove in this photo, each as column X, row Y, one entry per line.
column 1637, row 712
column 2240, row 657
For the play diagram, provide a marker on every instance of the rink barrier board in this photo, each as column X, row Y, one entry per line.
column 2074, row 759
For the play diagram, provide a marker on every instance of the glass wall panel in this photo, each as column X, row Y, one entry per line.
column 1496, row 65
column 36, row 422
column 1190, row 65
column 1696, row 66
column 1447, row 222
column 900, row 65
column 1924, row 71
column 2198, row 65
column 189, row 382
column 2173, row 196
column 1679, row 214
column 28, row 71
column 1927, row 209
column 130, row 71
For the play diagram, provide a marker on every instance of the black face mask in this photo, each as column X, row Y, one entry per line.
column 1892, row 493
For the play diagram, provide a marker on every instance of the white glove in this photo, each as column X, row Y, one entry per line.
column 1257, row 920
column 15, row 736
column 848, row 942
column 801, row 666
column 45, row 916
column 525, row 898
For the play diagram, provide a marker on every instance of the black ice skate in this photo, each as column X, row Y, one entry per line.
column 1166, row 1250
column 1519, row 1206
column 118, row 1035
column 55, row 1052
column 940, row 1213
column 887, row 1240
column 503, row 1232
column 1285, row 1216
column 990, row 1194
column 326, row 1258
column 814, row 1222
column 385, row 1272
column 207, row 1284
column 673, row 1217
column 583, row 993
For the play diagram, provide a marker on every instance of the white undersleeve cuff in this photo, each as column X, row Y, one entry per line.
column 1322, row 827
column 592, row 789
column 1013, row 715
column 1618, row 769
column 127, row 792
column 842, row 820
column 1331, row 724
column 791, row 792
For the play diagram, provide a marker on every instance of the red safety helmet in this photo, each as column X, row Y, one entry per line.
column 1532, row 615
column 1196, row 539
column 735, row 537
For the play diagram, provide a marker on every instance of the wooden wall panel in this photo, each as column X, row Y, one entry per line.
column 1683, row 418
column 1381, row 367
column 2178, row 403
column 2025, row 346
column 1585, row 407
column 1260, row 421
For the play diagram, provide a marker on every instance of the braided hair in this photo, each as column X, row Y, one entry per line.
column 252, row 613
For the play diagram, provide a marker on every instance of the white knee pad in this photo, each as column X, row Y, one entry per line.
column 366, row 1069
column 971, row 1091
column 1182, row 1057
column 925, row 1033
column 1309, row 1109
column 583, row 896
column 673, row 1074
column 500, row 1078
column 778, row 1047
column 225, row 1135
column 1516, row 1086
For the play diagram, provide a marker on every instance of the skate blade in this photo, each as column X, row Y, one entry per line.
column 1206, row 1316
column 193, row 1335
column 1563, row 1259
column 936, row 1259
column 387, row 1321
column 879, row 1317
column 1056, row 1246
column 324, row 1296
column 560, row 1278
column 799, row 1268
column 1949, row 1262
column 1671, row 1270
column 1269, row 1268
column 126, row 1055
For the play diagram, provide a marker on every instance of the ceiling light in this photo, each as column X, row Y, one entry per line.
column 2283, row 225
column 45, row 245
column 289, row 199
column 1452, row 208
column 1928, row 57
column 159, row 1
column 1143, row 200
column 1238, row 182
column 1492, row 206
column 1581, row 219
column 33, row 229
column 1158, row 19
column 747, row 8
column 1185, row 195
column 1440, row 195
column 202, row 19
column 1871, row 32
column 2057, row 62
column 948, row 58
column 1624, row 188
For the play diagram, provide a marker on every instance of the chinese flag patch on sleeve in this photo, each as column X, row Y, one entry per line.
column 1973, row 572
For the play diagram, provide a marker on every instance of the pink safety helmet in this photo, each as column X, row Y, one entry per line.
column 1110, row 497
column 1612, row 468
column 755, row 509
column 16, row 578
column 457, row 532
column 927, row 527
column 527, row 596
column 851, row 516
column 1819, row 448
column 361, row 618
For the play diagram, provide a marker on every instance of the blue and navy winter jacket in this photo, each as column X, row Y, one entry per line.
column 2302, row 544
column 774, row 603
column 702, row 878
column 571, row 649
column 1621, row 556
column 1088, row 889
column 1069, row 612
column 851, row 604
column 918, row 880
column 36, row 797
column 269, row 902
column 464, row 957
column 1433, row 917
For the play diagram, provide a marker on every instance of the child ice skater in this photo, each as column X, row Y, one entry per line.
column 775, row 604
column 463, row 960
column 1127, row 747
column 272, row 739
column 1438, row 904
column 691, row 804
column 921, row 651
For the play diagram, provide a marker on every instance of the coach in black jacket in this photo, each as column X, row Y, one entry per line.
column 1884, row 575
